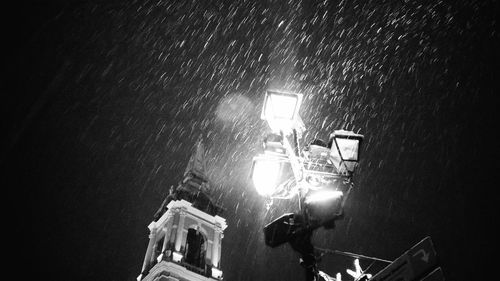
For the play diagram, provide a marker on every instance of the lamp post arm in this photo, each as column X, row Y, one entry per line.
column 296, row 163
column 296, row 142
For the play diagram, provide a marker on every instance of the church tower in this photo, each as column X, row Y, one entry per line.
column 186, row 231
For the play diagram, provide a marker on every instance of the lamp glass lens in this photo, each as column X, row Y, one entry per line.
column 265, row 175
column 281, row 106
column 348, row 148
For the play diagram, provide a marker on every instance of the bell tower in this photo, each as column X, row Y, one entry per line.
column 186, row 232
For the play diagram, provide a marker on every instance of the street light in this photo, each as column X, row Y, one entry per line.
column 321, row 175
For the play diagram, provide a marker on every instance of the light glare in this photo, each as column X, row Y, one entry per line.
column 324, row 195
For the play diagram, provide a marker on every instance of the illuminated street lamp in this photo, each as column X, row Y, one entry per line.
column 322, row 175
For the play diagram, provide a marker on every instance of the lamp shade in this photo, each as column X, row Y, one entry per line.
column 344, row 151
column 281, row 109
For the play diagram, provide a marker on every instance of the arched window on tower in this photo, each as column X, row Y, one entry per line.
column 195, row 248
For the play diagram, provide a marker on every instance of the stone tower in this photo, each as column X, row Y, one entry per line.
column 186, row 232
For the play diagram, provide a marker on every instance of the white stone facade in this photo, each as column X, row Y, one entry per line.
column 164, row 259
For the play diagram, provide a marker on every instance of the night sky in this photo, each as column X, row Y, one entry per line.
column 103, row 102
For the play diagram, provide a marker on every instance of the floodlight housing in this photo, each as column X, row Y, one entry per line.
column 284, row 229
column 281, row 109
column 344, row 151
column 324, row 205
column 277, row 232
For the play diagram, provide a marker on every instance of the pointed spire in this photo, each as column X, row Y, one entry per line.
column 197, row 163
column 195, row 186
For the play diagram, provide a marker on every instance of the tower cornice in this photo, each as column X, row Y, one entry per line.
column 186, row 207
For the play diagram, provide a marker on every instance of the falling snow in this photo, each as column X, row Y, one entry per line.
column 126, row 87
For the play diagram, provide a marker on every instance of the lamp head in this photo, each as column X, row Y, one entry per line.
column 281, row 109
column 268, row 170
column 344, row 150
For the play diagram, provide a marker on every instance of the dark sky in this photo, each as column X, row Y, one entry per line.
column 104, row 100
